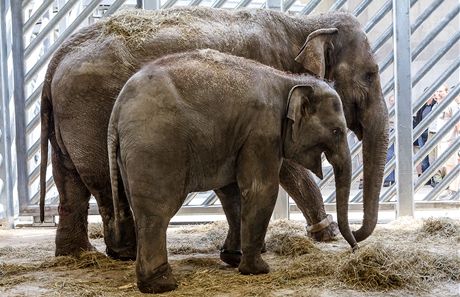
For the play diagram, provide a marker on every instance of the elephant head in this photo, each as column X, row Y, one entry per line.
column 316, row 124
column 342, row 53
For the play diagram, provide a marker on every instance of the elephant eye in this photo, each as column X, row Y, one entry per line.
column 336, row 131
column 369, row 76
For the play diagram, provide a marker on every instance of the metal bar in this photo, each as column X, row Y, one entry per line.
column 113, row 8
column 446, row 181
column 242, row 3
column 390, row 193
column 274, row 5
column 6, row 196
column 425, row 14
column 62, row 37
column 337, row 5
column 420, row 19
column 37, row 14
column 19, row 103
column 425, row 42
column 33, row 124
column 50, row 26
column 189, row 198
column 33, row 149
column 212, row 198
column 152, row 4
column 287, row 4
column 433, row 167
column 436, row 58
column 218, row 3
column 281, row 210
column 25, row 3
column 429, row 146
column 423, row 125
column 195, row 2
column 169, row 4
column 378, row 16
column 361, row 7
column 404, row 168
column 435, row 32
column 309, row 7
column 36, row 93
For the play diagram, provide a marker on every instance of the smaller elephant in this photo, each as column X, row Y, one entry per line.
column 204, row 120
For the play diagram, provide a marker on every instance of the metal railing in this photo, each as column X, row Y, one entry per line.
column 31, row 30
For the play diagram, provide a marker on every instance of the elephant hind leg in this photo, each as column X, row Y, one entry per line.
column 124, row 247
column 72, row 231
column 153, row 213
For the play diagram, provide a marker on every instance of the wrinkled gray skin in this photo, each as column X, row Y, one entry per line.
column 177, row 129
column 88, row 71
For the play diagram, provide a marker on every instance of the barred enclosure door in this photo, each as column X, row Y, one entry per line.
column 415, row 41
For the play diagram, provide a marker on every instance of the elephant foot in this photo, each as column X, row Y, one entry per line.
column 324, row 231
column 72, row 249
column 161, row 281
column 128, row 254
column 253, row 265
column 232, row 258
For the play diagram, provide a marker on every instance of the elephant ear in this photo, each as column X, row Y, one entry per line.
column 298, row 107
column 312, row 55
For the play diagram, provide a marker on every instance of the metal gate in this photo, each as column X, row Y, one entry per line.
column 416, row 42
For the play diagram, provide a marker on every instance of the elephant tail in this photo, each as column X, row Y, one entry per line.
column 46, row 115
column 112, row 146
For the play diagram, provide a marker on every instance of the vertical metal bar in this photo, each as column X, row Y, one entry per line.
column 274, row 5
column 281, row 210
column 404, row 165
column 151, row 4
column 19, row 102
column 6, row 196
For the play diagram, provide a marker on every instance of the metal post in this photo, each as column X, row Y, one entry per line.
column 402, row 53
column 282, row 205
column 19, row 102
column 151, row 4
column 6, row 176
column 274, row 5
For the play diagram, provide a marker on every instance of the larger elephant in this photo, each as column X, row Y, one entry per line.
column 88, row 71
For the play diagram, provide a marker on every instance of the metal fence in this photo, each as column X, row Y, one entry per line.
column 415, row 41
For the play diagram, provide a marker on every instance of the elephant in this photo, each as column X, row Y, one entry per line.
column 87, row 72
column 177, row 129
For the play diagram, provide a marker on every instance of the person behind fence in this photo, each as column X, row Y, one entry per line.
column 434, row 128
column 447, row 141
column 390, row 179
column 421, row 114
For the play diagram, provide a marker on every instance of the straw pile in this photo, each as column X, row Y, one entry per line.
column 95, row 230
column 396, row 259
column 444, row 227
column 136, row 26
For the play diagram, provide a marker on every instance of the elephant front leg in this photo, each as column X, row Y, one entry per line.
column 299, row 184
column 258, row 203
column 231, row 203
column 258, row 181
column 72, row 231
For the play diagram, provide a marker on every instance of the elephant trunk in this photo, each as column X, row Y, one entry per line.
column 375, row 145
column 341, row 163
